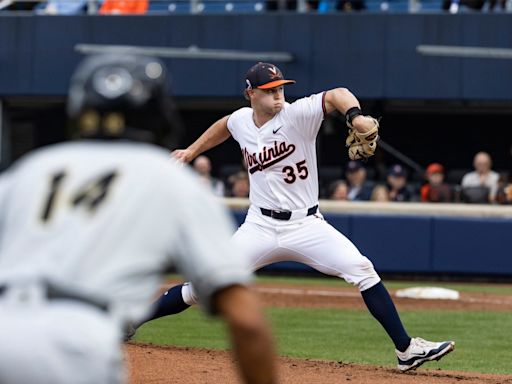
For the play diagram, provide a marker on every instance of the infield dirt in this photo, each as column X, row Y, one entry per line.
column 155, row 364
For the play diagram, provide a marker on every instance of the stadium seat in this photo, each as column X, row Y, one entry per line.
column 326, row 6
column 454, row 176
column 374, row 5
column 214, row 6
column 227, row 170
column 163, row 6
column 431, row 5
column 159, row 6
column 248, row 6
column 330, row 173
column 398, row 6
column 475, row 195
column 62, row 7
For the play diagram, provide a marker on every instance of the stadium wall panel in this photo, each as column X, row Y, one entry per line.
column 424, row 244
column 372, row 53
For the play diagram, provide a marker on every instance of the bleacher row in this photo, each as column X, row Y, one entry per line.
column 211, row 6
column 324, row 6
column 223, row 6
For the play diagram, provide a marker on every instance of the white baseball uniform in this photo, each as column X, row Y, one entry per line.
column 88, row 224
column 281, row 162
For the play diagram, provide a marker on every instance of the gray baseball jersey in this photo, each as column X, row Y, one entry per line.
column 106, row 220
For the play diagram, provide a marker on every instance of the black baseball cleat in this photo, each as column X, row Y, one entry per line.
column 420, row 351
column 129, row 332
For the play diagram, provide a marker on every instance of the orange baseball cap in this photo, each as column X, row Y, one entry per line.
column 435, row 168
column 265, row 76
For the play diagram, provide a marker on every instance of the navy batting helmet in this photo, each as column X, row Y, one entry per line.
column 122, row 96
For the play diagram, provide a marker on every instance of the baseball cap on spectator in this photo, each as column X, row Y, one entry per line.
column 435, row 168
column 353, row 166
column 397, row 171
column 265, row 76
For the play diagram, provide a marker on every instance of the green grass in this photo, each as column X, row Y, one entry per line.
column 482, row 338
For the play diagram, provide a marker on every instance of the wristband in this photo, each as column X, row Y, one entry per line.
column 351, row 113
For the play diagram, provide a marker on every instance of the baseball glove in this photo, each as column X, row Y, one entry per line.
column 362, row 145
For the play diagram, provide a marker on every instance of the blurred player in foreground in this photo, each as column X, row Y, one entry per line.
column 88, row 228
column 277, row 140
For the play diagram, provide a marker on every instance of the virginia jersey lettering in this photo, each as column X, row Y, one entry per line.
column 281, row 155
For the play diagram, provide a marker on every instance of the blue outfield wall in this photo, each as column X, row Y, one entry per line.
column 373, row 53
column 425, row 244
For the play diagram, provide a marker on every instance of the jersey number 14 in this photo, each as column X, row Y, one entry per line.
column 89, row 195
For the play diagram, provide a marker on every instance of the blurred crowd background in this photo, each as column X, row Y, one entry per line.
column 445, row 133
column 106, row 7
column 360, row 182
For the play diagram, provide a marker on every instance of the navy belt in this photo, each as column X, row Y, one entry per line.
column 285, row 215
column 53, row 293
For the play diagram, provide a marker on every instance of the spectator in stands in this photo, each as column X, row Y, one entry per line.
column 456, row 6
column 339, row 190
column 291, row 5
column 380, row 193
column 504, row 192
column 397, row 184
column 435, row 190
column 64, row 7
column 239, row 184
column 482, row 176
column 350, row 5
column 359, row 189
column 13, row 5
column 313, row 5
column 281, row 5
column 497, row 5
column 124, row 7
column 203, row 166
column 508, row 194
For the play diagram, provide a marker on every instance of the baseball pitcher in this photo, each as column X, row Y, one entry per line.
column 277, row 141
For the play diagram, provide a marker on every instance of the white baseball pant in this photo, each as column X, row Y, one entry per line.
column 56, row 341
column 309, row 240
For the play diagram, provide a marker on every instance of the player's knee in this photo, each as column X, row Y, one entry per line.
column 188, row 294
column 369, row 277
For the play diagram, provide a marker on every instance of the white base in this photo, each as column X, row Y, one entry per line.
column 428, row 293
